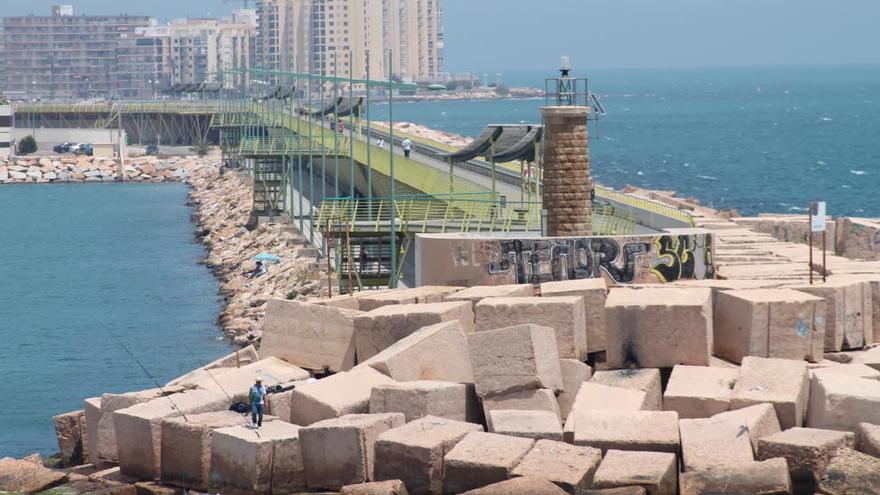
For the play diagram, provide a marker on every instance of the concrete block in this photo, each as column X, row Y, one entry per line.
column 754, row 478
column 426, row 398
column 141, row 426
column 104, row 436
column 268, row 461
column 658, row 328
column 311, row 336
column 69, row 430
column 807, row 450
column 392, row 487
column 237, row 381
column 708, row 443
column 851, row 473
column 594, row 291
column 339, row 451
column 564, row 314
column 569, row 467
column 237, row 359
column 413, row 453
column 574, row 373
column 541, row 399
column 518, row 486
column 436, row 352
column 784, row 383
column 337, row 395
column 380, row 328
column 779, row 323
column 478, row 293
column 655, row 431
column 623, row 490
column 868, row 438
column 655, row 471
column 853, row 370
column 481, row 459
column 186, row 447
column 526, row 424
column 759, row 420
column 848, row 312
column 509, row 359
column 92, row 417
column 839, row 402
column 597, row 397
column 418, row 295
column 699, row 391
column 647, row 380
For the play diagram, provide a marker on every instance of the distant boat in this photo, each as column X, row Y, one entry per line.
column 436, row 87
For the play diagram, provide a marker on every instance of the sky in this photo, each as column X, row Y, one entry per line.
column 532, row 34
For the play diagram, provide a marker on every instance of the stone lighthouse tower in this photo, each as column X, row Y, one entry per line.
column 567, row 183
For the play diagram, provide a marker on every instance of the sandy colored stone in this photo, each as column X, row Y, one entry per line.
column 783, row 382
column 646, row 379
column 27, row 477
column 419, row 295
column 807, row 450
column 334, row 396
column 391, row 487
column 414, row 452
column 236, row 359
column 186, row 447
column 779, row 323
column 515, row 358
column 708, row 443
column 481, row 459
column 309, row 335
column 849, row 311
column 594, row 291
column 655, row 431
column 526, row 424
column 69, row 431
column 768, row 477
column 759, row 421
column 540, row 399
column 868, row 439
column 658, row 328
column 518, row 486
column 478, row 293
column 624, row 490
column 436, row 352
column 268, row 461
column 425, row 398
column 841, row 402
column 339, row 451
column 574, row 373
column 851, row 473
column 699, row 391
column 597, row 397
column 655, row 471
column 569, row 467
column 236, row 382
column 380, row 328
column 564, row 314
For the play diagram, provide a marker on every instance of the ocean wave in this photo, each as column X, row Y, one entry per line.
column 844, row 186
column 858, row 172
column 820, row 162
column 708, row 177
column 640, row 173
column 796, row 208
column 827, row 119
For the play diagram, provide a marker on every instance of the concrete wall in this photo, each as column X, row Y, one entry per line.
column 463, row 259
column 47, row 138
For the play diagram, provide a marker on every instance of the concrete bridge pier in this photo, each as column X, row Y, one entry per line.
column 566, row 166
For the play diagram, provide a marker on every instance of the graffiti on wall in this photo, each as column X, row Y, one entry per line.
column 624, row 260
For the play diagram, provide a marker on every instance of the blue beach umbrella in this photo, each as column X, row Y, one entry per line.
column 267, row 257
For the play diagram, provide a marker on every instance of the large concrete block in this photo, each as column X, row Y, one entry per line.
column 103, row 436
column 311, row 336
column 808, row 452
column 655, row 471
column 69, row 431
column 868, row 438
column 337, row 395
column 699, row 391
column 851, row 473
column 265, row 462
column 426, row 398
column 540, row 399
column 414, row 453
column 478, row 293
column 380, row 328
column 708, row 443
column 92, row 417
column 418, row 295
column 436, row 352
column 655, row 431
column 784, row 383
column 481, row 459
column 236, row 382
column 569, row 467
column 518, row 486
column 339, row 451
column 564, row 314
column 848, row 312
column 646, row 379
column 141, row 426
column 236, row 359
column 186, row 447
column 658, row 328
column 758, row 478
column 780, row 323
column 759, row 420
column 526, row 424
column 574, row 373
column 597, row 397
column 509, row 359
column 391, row 487
column 594, row 291
column 839, row 402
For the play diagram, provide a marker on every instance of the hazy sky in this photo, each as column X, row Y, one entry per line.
column 532, row 34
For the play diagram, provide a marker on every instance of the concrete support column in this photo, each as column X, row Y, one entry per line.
column 566, row 167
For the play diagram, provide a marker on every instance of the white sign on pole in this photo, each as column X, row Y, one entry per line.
column 818, row 210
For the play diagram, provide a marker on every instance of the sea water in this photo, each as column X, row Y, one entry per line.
column 81, row 266
column 755, row 139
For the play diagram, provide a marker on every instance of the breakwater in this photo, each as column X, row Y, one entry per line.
column 70, row 168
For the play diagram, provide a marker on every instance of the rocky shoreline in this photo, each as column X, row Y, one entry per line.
column 71, row 168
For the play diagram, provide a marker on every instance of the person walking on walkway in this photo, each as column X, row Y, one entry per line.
column 407, row 147
column 258, row 402
column 380, row 143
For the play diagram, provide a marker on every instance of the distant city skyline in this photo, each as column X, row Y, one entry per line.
column 506, row 35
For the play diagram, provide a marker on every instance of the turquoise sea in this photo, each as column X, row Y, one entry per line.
column 755, row 139
column 80, row 264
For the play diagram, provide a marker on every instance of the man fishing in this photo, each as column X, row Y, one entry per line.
column 259, row 398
